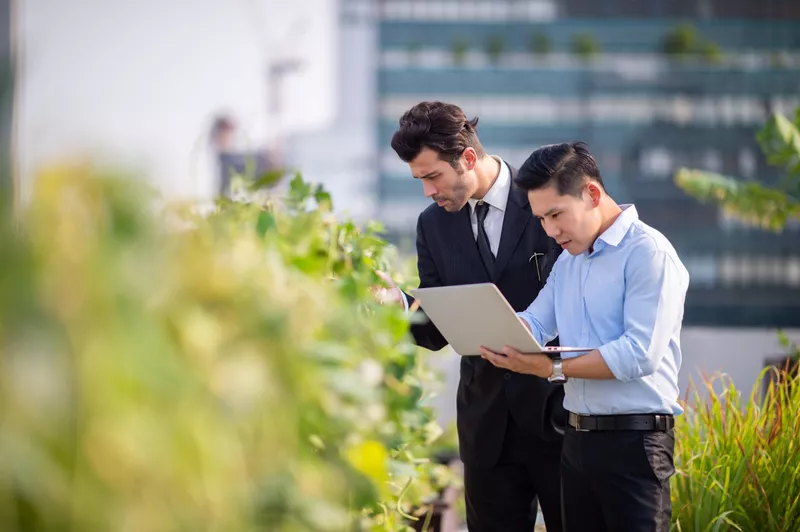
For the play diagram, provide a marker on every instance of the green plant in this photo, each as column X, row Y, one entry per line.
column 228, row 371
column 711, row 53
column 459, row 47
column 683, row 42
column 768, row 207
column 494, row 48
column 737, row 463
column 540, row 45
column 680, row 41
column 585, row 47
column 737, row 466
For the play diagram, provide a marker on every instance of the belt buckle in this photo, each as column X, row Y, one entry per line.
column 578, row 423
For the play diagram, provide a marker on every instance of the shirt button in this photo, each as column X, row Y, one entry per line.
column 507, row 375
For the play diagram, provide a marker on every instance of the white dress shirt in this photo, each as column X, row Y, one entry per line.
column 497, row 198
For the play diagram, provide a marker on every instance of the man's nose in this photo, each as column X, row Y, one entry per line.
column 429, row 188
column 552, row 229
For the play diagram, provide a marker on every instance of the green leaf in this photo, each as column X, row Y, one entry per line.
column 323, row 198
column 266, row 180
column 749, row 201
column 299, row 190
column 780, row 141
column 264, row 223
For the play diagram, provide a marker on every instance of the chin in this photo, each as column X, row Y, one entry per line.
column 452, row 207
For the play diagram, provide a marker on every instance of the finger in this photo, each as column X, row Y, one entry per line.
column 510, row 352
column 496, row 360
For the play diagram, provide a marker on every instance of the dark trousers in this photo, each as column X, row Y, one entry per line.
column 617, row 481
column 503, row 498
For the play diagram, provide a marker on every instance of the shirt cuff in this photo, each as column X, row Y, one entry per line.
column 405, row 301
column 532, row 329
column 611, row 356
column 526, row 320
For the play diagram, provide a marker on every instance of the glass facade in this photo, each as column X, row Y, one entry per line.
column 651, row 86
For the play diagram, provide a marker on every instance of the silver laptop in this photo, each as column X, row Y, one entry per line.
column 474, row 315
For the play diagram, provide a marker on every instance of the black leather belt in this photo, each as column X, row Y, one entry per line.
column 658, row 422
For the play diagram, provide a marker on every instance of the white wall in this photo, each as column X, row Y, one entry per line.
column 343, row 156
column 139, row 81
column 739, row 353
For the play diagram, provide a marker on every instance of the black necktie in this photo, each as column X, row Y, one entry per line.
column 484, row 248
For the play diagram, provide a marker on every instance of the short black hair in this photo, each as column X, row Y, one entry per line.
column 567, row 166
column 442, row 127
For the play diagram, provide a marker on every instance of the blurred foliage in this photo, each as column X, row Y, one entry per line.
column 751, row 201
column 737, row 465
column 459, row 48
column 585, row 47
column 495, row 45
column 540, row 45
column 162, row 369
column 683, row 42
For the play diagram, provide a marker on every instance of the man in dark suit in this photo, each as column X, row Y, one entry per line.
column 481, row 230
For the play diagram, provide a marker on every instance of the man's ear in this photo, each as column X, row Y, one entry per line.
column 595, row 193
column 470, row 158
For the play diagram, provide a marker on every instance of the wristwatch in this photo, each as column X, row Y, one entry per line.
column 557, row 377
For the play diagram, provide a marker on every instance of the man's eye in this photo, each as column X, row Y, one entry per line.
column 555, row 215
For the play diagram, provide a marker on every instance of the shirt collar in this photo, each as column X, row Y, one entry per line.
column 614, row 234
column 497, row 196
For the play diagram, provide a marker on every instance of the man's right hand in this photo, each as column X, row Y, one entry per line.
column 390, row 293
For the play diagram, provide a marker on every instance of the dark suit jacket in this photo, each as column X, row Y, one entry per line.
column 447, row 254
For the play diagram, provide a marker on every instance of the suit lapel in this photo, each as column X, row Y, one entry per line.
column 517, row 216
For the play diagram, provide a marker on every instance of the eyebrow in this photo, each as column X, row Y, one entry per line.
column 428, row 175
column 548, row 213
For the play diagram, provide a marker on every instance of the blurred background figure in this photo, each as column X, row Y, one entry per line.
column 235, row 160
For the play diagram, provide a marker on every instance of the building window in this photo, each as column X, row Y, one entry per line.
column 747, row 162
column 656, row 163
column 702, row 269
column 712, row 161
column 793, row 271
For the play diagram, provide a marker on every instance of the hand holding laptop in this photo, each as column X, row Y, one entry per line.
column 476, row 316
column 537, row 364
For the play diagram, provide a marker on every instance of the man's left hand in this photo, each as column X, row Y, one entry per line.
column 512, row 360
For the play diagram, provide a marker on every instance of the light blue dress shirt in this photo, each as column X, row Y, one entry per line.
column 626, row 299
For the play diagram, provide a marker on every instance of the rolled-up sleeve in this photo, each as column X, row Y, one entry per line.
column 541, row 313
column 655, row 290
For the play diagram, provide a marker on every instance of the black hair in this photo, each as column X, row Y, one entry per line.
column 442, row 127
column 567, row 166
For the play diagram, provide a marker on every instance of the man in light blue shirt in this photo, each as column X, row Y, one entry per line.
column 619, row 291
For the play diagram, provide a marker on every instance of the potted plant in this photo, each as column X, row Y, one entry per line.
column 459, row 48
column 494, row 49
column 540, row 45
column 585, row 47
